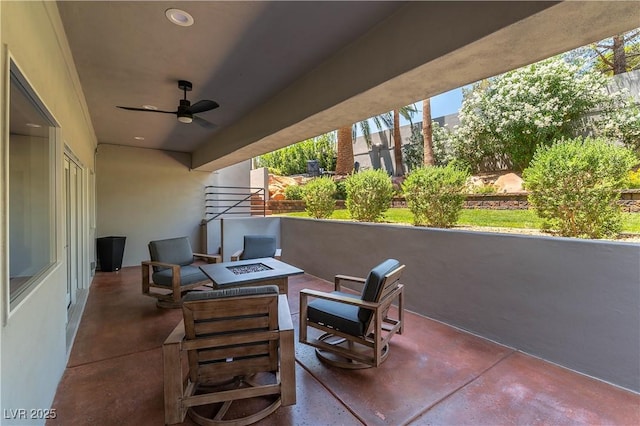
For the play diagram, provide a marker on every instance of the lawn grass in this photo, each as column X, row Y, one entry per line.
column 480, row 217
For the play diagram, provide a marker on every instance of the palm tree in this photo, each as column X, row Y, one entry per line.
column 407, row 112
column 345, row 160
column 427, row 133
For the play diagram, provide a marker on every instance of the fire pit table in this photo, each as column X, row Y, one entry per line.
column 266, row 270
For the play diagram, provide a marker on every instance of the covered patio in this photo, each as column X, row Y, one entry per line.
column 435, row 374
column 283, row 72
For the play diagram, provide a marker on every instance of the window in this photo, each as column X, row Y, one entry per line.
column 31, row 188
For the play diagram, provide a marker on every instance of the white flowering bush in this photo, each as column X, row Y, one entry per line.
column 508, row 117
column 413, row 152
column 574, row 184
column 620, row 122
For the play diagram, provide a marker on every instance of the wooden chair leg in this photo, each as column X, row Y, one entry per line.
column 173, row 410
column 287, row 368
column 287, row 353
column 145, row 279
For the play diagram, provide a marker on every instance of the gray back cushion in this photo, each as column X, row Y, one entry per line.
column 173, row 250
column 256, row 246
column 373, row 286
column 231, row 292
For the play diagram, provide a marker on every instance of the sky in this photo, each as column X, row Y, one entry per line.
column 445, row 103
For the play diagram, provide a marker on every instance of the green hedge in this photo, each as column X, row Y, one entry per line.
column 435, row 195
column 319, row 197
column 574, row 186
column 369, row 195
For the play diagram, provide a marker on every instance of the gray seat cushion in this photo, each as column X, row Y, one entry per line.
column 348, row 318
column 188, row 275
column 256, row 246
column 176, row 251
column 340, row 316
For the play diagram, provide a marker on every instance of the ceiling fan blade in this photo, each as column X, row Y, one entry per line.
column 204, row 123
column 147, row 110
column 202, row 106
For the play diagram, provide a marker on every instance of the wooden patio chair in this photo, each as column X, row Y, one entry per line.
column 173, row 271
column 257, row 246
column 239, row 346
column 356, row 328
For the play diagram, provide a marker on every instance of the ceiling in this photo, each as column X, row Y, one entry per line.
column 284, row 71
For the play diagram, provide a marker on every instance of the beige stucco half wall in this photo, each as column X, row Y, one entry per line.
column 32, row 342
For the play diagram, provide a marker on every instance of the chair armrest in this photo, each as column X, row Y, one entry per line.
column 339, row 298
column 210, row 258
column 161, row 264
column 284, row 315
column 177, row 335
column 287, row 352
column 339, row 278
column 236, row 256
column 175, row 276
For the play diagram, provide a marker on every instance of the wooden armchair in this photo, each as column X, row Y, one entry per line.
column 173, row 271
column 356, row 328
column 239, row 346
column 257, row 246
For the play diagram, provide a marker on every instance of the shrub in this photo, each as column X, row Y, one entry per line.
column 574, row 186
column 484, row 189
column 369, row 195
column 503, row 120
column 633, row 179
column 435, row 195
column 319, row 197
column 341, row 190
column 294, row 192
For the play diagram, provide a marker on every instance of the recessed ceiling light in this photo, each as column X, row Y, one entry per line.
column 139, row 138
column 179, row 17
column 151, row 107
column 34, row 125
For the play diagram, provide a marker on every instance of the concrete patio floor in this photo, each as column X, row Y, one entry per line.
column 435, row 374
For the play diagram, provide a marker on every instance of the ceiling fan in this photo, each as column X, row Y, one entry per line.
column 186, row 112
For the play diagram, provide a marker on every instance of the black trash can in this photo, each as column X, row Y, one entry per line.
column 110, row 253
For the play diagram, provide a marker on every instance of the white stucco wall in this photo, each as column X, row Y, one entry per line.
column 145, row 195
column 32, row 339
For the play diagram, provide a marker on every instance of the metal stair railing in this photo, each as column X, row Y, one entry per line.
column 234, row 201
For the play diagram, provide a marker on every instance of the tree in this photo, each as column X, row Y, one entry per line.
column 293, row 159
column 407, row 112
column 427, row 133
column 618, row 54
column 397, row 144
column 382, row 121
column 344, row 162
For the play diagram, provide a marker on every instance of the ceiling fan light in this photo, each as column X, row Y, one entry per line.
column 185, row 119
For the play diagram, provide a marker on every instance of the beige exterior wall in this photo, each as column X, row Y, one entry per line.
column 32, row 339
column 146, row 194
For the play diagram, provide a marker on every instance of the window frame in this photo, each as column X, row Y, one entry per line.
column 13, row 73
